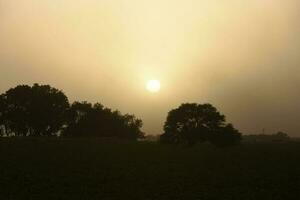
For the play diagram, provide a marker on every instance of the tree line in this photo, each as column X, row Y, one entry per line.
column 276, row 137
column 41, row 110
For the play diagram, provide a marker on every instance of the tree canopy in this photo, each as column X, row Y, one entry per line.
column 85, row 119
column 36, row 111
column 191, row 123
column 41, row 110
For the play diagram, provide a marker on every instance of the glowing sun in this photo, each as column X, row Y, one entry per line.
column 153, row 86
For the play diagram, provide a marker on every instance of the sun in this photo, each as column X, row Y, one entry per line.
column 153, row 86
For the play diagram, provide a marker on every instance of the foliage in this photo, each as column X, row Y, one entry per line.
column 2, row 115
column 41, row 110
column 225, row 136
column 36, row 111
column 85, row 119
column 192, row 123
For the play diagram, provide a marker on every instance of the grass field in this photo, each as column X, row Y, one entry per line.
column 96, row 169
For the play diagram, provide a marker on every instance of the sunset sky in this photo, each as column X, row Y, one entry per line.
column 241, row 56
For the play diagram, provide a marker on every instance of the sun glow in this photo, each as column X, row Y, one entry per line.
column 153, row 86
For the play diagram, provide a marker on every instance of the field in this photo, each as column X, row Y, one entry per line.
column 96, row 169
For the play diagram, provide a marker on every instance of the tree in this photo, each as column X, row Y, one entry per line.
column 16, row 111
column 225, row 136
column 2, row 116
column 41, row 110
column 47, row 110
column 131, row 127
column 77, row 111
column 87, row 120
column 36, row 111
column 84, row 119
column 192, row 123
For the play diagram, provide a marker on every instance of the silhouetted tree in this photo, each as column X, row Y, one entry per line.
column 131, row 127
column 74, row 117
column 2, row 115
column 41, row 110
column 225, row 136
column 192, row 123
column 36, row 111
column 87, row 120
column 16, row 111
column 48, row 110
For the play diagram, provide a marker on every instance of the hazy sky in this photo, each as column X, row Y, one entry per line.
column 241, row 56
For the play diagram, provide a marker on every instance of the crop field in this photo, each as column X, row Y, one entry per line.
column 99, row 169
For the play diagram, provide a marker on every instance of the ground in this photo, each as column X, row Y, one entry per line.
column 96, row 169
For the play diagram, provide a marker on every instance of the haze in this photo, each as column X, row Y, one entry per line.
column 241, row 56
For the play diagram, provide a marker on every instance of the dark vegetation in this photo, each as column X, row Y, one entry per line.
column 278, row 137
column 41, row 110
column 53, row 150
column 192, row 123
column 85, row 119
column 57, row 168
